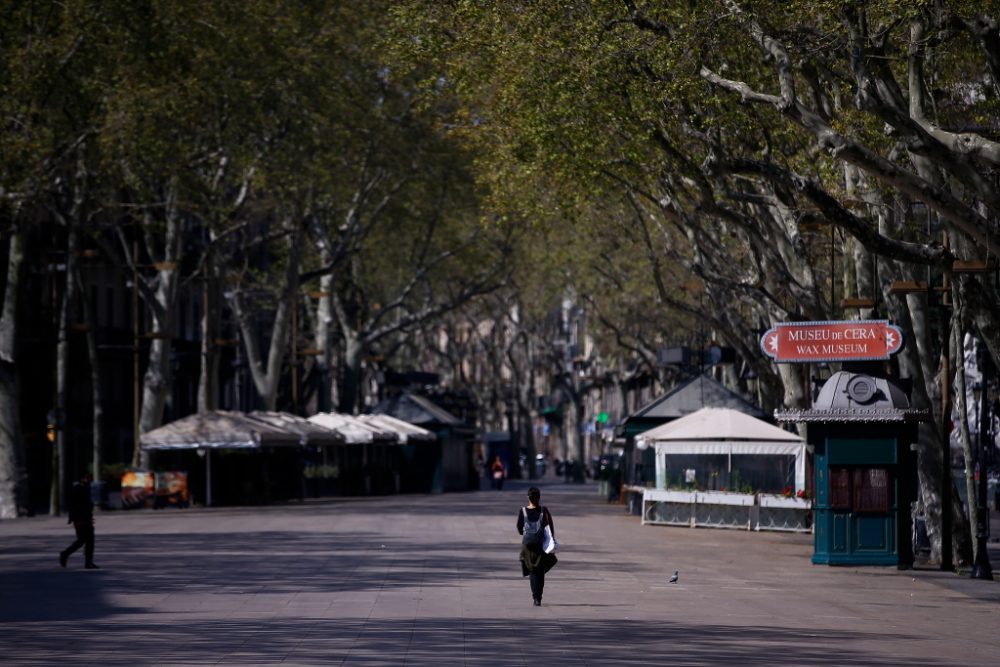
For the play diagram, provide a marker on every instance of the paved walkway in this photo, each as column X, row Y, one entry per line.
column 434, row 580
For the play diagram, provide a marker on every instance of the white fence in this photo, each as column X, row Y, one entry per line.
column 720, row 509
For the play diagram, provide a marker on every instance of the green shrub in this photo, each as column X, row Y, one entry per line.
column 112, row 472
column 321, row 472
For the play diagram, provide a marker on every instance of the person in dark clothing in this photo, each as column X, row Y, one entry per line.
column 81, row 515
column 499, row 471
column 534, row 561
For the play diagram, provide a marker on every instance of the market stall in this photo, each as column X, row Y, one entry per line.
column 718, row 467
column 364, row 461
column 218, row 432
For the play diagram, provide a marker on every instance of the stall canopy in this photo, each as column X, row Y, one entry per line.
column 405, row 431
column 415, row 409
column 354, row 430
column 310, row 433
column 450, row 459
column 722, row 431
column 699, row 392
column 218, row 429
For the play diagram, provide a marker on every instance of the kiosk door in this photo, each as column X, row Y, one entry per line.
column 861, row 505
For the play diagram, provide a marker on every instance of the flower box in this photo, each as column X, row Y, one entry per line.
column 774, row 500
column 663, row 496
column 725, row 498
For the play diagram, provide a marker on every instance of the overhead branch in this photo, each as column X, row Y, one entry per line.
column 839, row 146
column 836, row 213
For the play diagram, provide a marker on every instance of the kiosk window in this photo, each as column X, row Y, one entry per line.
column 840, row 489
column 859, row 489
column 871, row 490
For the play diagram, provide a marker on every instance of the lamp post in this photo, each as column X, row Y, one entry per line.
column 981, row 567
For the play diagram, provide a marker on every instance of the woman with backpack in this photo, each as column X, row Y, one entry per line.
column 535, row 562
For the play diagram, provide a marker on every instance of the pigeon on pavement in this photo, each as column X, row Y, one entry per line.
column 673, row 577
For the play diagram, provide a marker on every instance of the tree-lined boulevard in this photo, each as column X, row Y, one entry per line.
column 434, row 580
column 542, row 216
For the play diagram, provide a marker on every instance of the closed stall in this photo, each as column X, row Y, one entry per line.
column 861, row 428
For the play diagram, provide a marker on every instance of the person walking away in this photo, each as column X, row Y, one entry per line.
column 81, row 515
column 531, row 523
column 499, row 471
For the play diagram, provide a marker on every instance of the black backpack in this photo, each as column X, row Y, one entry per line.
column 534, row 531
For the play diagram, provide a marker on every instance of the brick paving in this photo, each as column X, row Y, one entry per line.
column 434, row 580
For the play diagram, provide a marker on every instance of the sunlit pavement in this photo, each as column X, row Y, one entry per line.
column 434, row 580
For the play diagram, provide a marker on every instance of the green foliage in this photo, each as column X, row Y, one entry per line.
column 112, row 472
column 321, row 472
column 563, row 137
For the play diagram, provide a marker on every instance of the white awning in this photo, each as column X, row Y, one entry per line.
column 405, row 431
column 718, row 424
column 354, row 430
column 217, row 429
column 310, row 433
column 724, row 432
column 747, row 447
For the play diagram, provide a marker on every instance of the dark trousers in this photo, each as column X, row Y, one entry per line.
column 85, row 539
column 537, row 580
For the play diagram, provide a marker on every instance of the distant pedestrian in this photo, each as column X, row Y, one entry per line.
column 499, row 471
column 81, row 515
column 534, row 561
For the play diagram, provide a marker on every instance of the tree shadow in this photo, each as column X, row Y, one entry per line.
column 170, row 595
column 441, row 641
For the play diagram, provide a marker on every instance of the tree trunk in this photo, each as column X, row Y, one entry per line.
column 157, row 380
column 577, row 436
column 266, row 380
column 208, row 372
column 57, row 501
column 526, row 399
column 155, row 383
column 206, row 377
column 571, row 428
column 13, row 477
column 970, row 464
column 97, row 413
column 350, row 374
column 795, row 393
column 321, row 341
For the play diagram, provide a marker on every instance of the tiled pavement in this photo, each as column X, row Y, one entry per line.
column 434, row 580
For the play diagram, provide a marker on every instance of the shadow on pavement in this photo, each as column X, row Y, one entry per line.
column 305, row 594
column 447, row 641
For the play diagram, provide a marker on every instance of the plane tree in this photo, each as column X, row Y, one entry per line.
column 734, row 132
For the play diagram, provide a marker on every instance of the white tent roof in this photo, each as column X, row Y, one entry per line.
column 717, row 424
column 405, row 431
column 309, row 432
column 217, row 429
column 728, row 432
column 355, row 431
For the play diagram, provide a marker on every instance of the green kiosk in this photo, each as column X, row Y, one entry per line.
column 860, row 429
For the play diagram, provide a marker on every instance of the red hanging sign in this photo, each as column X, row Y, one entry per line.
column 858, row 340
